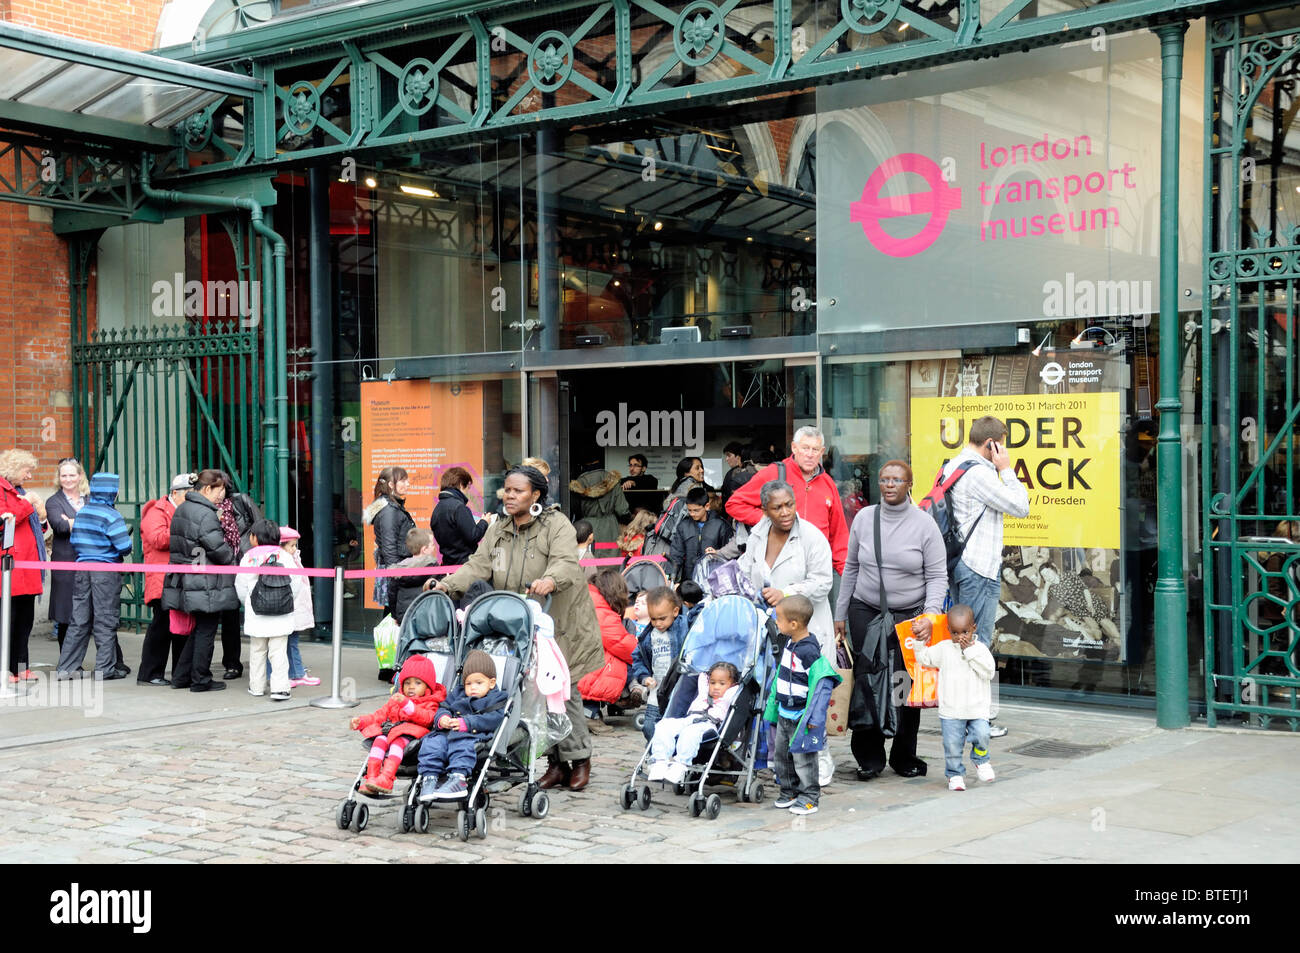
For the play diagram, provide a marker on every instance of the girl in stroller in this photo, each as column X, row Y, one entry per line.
column 406, row 715
column 717, row 689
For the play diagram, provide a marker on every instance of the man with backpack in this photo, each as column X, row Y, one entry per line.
column 816, row 497
column 981, row 496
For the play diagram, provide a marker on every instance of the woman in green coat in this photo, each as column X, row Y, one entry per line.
column 534, row 551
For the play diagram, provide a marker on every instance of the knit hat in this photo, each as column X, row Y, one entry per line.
column 478, row 663
column 421, row 667
column 182, row 481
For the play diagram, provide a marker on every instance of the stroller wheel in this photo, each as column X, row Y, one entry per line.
column 421, row 821
column 639, row 720
column 480, row 823
column 679, row 788
column 542, row 805
column 360, row 818
column 643, row 797
column 343, row 814
column 756, row 794
column 627, row 797
column 526, row 802
column 462, row 825
column 408, row 818
column 695, row 805
column 712, row 806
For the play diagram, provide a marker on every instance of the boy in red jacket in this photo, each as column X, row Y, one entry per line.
column 409, row 713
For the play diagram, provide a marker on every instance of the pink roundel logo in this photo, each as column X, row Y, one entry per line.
column 937, row 203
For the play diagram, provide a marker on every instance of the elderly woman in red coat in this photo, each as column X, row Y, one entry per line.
column 607, row 684
column 27, row 510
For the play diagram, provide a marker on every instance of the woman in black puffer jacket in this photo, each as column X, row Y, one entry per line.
column 453, row 526
column 197, row 539
column 391, row 521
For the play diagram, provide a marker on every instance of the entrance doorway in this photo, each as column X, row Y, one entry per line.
column 670, row 412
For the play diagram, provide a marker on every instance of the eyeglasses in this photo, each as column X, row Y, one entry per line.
column 892, row 481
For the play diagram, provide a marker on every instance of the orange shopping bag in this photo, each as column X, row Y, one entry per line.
column 924, row 680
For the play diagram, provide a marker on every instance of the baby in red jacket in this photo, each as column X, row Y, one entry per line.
column 405, row 716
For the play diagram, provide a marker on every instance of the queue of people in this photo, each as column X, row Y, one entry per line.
column 892, row 564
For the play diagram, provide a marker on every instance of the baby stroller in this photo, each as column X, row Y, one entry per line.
column 502, row 625
column 642, row 575
column 730, row 629
column 428, row 628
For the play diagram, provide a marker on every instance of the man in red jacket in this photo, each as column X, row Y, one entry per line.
column 816, row 497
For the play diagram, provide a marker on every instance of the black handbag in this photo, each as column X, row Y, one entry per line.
column 871, row 705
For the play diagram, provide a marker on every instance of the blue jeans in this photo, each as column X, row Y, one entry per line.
column 956, row 733
column 295, row 660
column 445, row 752
column 651, row 719
column 981, row 594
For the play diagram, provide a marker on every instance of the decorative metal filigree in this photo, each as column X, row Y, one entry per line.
column 302, row 108
column 417, row 90
column 550, row 62
column 699, row 33
column 869, row 16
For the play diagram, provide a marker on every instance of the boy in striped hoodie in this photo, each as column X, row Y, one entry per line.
column 99, row 535
column 797, row 705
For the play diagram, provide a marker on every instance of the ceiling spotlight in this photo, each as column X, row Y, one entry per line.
column 371, row 182
column 419, row 190
column 616, row 283
column 749, row 238
column 807, row 238
column 659, row 226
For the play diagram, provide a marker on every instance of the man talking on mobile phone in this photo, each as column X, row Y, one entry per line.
column 988, row 491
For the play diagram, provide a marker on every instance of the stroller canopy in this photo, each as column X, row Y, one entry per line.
column 642, row 575
column 499, row 623
column 729, row 629
column 428, row 626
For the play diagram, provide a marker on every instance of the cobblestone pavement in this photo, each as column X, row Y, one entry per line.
column 231, row 779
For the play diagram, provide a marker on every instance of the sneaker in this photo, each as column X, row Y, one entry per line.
column 676, row 772
column 280, row 696
column 785, row 803
column 825, row 768
column 658, row 771
column 997, row 731
column 453, row 788
column 956, row 783
column 256, row 694
column 428, row 788
column 803, row 807
column 985, row 771
column 305, row 680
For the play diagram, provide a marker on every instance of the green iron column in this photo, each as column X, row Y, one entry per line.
column 1171, row 587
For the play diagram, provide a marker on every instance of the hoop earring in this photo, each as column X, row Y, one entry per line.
column 535, row 510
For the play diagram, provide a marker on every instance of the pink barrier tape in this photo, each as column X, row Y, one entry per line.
column 278, row 570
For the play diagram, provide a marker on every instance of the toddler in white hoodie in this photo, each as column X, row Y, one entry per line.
column 965, row 678
column 677, row 741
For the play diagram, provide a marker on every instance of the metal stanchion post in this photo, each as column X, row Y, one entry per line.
column 6, row 605
column 336, row 678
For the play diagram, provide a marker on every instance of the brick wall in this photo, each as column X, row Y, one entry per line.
column 35, row 333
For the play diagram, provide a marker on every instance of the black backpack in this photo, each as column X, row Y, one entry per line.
column 658, row 540
column 938, row 503
column 272, row 595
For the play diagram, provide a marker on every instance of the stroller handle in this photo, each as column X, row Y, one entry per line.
column 546, row 605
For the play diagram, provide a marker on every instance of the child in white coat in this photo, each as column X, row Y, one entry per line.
column 677, row 741
column 965, row 675
column 304, row 615
column 268, row 635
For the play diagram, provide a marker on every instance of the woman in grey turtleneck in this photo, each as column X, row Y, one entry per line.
column 915, row 569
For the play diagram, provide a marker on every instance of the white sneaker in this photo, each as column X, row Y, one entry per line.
column 676, row 772
column 997, row 731
column 825, row 768
column 956, row 783
column 785, row 803
column 658, row 771
column 985, row 771
column 256, row 694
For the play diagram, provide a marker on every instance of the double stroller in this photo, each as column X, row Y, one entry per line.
column 731, row 629
column 502, row 624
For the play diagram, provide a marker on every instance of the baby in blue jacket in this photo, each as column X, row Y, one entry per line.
column 473, row 710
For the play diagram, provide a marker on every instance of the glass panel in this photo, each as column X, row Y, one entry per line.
column 77, row 84
column 143, row 100
column 1032, row 183
column 24, row 70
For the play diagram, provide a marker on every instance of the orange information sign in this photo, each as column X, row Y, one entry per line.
column 424, row 427
column 924, row 680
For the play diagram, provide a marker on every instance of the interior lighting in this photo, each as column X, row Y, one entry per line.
column 749, row 238
column 659, row 226
column 419, row 190
column 371, row 182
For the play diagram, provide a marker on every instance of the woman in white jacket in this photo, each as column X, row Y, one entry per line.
column 268, row 635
